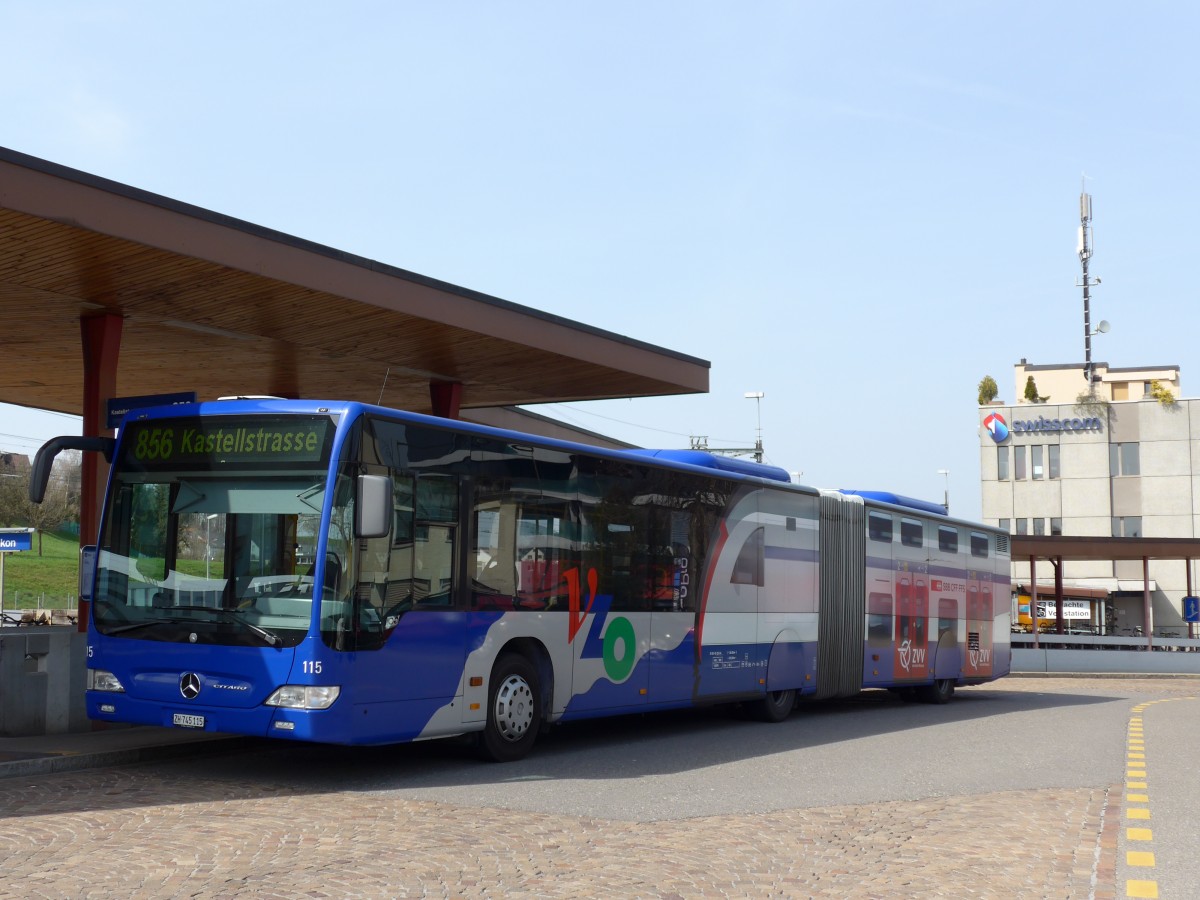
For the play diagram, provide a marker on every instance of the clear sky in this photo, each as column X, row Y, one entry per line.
column 859, row 209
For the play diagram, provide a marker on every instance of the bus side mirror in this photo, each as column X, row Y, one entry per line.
column 373, row 518
column 39, row 475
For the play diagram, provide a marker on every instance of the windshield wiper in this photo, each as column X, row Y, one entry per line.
column 133, row 626
column 231, row 615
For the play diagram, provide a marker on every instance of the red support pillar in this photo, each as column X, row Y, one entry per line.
column 445, row 397
column 1033, row 610
column 101, row 337
column 1059, row 600
column 1187, row 569
column 1147, row 611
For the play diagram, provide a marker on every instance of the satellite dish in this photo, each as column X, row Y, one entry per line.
column 1103, row 327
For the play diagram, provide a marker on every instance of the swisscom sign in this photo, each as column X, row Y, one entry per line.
column 999, row 429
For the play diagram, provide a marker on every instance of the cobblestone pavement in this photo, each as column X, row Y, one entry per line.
column 145, row 832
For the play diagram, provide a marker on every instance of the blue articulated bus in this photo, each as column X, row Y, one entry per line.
column 343, row 573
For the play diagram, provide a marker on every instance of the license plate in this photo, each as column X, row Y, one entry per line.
column 183, row 720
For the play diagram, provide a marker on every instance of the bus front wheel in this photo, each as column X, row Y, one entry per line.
column 514, row 712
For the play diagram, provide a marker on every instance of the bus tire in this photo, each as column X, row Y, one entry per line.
column 774, row 707
column 514, row 711
column 939, row 692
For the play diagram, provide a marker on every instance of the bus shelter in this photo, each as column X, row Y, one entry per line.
column 1058, row 549
column 110, row 292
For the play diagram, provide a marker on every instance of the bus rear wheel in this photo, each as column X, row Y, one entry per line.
column 939, row 692
column 514, row 710
column 774, row 707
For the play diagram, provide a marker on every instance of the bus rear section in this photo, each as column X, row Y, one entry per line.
column 930, row 587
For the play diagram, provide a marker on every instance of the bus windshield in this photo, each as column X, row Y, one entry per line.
column 211, row 530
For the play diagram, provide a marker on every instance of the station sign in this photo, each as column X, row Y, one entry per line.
column 1191, row 609
column 118, row 406
column 14, row 540
column 1072, row 609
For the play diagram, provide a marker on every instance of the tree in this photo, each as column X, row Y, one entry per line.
column 1031, row 392
column 1089, row 403
column 60, row 505
column 988, row 390
column 1162, row 394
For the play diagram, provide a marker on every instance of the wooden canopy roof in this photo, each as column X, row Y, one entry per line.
column 219, row 306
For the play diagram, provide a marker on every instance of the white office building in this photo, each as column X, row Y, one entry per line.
column 1124, row 462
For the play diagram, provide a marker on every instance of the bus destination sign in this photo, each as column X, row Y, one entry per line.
column 228, row 440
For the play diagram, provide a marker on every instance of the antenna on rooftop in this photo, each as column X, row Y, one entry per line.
column 1085, row 255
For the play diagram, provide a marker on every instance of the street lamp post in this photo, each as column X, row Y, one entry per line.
column 946, row 501
column 757, row 396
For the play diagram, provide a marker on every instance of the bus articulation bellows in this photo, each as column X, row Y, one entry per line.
column 344, row 573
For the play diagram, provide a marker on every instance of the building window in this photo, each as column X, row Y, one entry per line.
column 1056, row 526
column 1053, row 452
column 1035, row 458
column 1019, row 463
column 1022, row 526
column 1004, row 525
column 1123, row 459
column 1127, row 526
column 1002, row 464
column 1039, row 527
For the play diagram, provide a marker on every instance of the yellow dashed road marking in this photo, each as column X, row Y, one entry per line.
column 1135, row 775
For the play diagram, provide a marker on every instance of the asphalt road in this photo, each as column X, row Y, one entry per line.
column 875, row 748
column 1020, row 788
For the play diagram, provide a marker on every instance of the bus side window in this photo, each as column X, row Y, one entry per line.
column 748, row 568
column 879, row 620
column 948, row 618
column 979, row 544
column 434, row 540
column 879, row 527
column 947, row 539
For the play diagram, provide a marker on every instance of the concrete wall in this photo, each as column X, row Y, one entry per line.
column 43, row 672
column 1122, row 661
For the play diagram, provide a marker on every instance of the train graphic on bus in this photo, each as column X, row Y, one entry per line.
column 343, row 573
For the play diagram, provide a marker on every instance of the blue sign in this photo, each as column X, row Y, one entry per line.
column 118, row 406
column 1191, row 609
column 15, row 540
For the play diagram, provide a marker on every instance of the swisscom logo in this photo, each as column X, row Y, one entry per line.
column 996, row 427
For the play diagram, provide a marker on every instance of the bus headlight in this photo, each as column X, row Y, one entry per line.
column 304, row 696
column 100, row 680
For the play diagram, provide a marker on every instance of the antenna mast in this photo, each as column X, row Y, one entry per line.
column 1085, row 254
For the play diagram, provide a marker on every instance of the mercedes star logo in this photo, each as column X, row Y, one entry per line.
column 189, row 685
